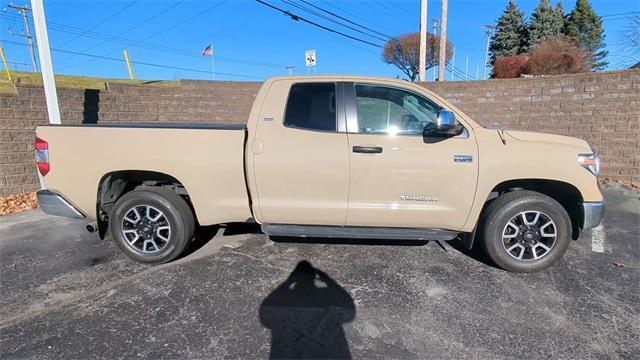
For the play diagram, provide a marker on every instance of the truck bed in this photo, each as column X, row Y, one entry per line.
column 207, row 159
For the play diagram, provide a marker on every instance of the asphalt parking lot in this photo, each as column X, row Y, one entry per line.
column 238, row 294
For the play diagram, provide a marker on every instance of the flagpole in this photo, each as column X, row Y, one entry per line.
column 213, row 64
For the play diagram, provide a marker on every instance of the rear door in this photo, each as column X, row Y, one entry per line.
column 398, row 178
column 301, row 161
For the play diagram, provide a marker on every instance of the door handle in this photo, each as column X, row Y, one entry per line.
column 367, row 149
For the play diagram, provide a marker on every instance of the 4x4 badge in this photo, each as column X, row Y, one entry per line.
column 463, row 158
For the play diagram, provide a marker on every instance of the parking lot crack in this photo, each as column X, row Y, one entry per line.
column 258, row 260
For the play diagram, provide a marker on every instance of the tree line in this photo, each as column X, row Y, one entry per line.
column 550, row 42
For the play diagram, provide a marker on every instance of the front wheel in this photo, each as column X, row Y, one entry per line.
column 152, row 225
column 526, row 231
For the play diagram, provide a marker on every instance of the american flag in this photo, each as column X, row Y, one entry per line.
column 208, row 51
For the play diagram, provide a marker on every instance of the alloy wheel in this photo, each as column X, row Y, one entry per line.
column 530, row 235
column 146, row 229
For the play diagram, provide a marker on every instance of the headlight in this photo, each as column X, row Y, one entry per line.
column 590, row 161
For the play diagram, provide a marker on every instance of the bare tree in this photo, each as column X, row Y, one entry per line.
column 403, row 52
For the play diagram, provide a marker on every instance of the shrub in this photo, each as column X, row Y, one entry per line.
column 509, row 66
column 557, row 56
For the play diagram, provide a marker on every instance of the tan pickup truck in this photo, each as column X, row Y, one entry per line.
column 328, row 156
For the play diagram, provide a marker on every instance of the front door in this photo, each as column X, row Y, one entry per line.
column 300, row 160
column 398, row 178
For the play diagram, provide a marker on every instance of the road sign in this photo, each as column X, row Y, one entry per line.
column 310, row 57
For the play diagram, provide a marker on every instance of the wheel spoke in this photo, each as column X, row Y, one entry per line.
column 134, row 240
column 513, row 247
column 136, row 213
column 515, row 228
column 535, row 219
column 545, row 247
column 161, row 236
column 545, row 234
column 155, row 246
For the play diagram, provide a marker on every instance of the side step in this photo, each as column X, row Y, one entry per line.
column 357, row 232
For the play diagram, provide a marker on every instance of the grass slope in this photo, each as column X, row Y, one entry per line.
column 71, row 81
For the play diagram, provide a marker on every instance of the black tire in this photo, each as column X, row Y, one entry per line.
column 176, row 214
column 509, row 208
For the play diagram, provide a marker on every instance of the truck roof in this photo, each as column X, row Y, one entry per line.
column 339, row 78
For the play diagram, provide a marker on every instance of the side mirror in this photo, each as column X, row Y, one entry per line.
column 445, row 126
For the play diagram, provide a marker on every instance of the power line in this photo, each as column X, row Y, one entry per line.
column 388, row 13
column 101, row 22
column 620, row 14
column 300, row 18
column 356, row 16
column 145, row 21
column 345, row 19
column 303, row 8
column 139, row 62
column 171, row 27
column 153, row 47
column 388, row 6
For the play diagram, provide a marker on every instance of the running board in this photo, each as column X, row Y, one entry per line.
column 357, row 232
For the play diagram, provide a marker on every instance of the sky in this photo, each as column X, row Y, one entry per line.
column 252, row 41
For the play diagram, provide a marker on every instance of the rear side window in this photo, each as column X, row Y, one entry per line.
column 312, row 106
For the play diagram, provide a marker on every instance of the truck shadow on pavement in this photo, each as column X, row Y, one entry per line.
column 305, row 315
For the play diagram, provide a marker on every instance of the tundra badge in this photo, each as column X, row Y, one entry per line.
column 463, row 158
column 419, row 198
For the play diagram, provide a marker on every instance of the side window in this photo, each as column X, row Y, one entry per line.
column 384, row 110
column 312, row 106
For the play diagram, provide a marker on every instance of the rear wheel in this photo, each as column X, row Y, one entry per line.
column 152, row 225
column 526, row 231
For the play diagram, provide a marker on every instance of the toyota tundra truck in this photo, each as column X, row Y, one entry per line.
column 327, row 157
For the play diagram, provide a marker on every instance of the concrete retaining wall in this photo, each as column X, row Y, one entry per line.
column 602, row 108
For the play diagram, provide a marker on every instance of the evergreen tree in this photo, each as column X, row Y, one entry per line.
column 510, row 37
column 585, row 26
column 560, row 17
column 558, row 23
column 545, row 23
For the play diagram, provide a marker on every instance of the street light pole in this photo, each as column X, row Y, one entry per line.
column 48, row 78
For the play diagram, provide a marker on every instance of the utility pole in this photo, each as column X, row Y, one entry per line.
column 290, row 68
column 466, row 69
column 453, row 61
column 423, row 40
column 435, row 33
column 442, row 62
column 23, row 10
column 488, row 32
column 49, row 81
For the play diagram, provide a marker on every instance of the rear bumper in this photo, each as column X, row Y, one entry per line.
column 593, row 214
column 54, row 204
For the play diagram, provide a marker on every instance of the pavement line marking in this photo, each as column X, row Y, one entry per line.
column 597, row 239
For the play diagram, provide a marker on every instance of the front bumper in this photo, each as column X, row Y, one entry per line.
column 593, row 213
column 54, row 204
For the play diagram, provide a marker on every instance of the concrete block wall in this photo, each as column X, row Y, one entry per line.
column 602, row 108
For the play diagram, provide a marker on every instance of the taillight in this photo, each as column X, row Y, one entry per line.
column 42, row 156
